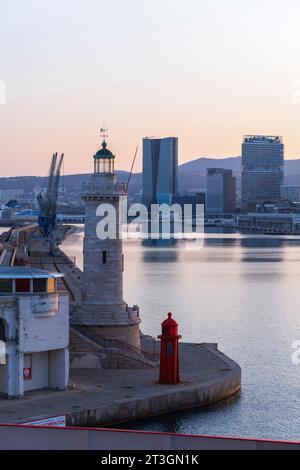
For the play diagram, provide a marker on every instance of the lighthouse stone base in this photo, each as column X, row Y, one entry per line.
column 100, row 323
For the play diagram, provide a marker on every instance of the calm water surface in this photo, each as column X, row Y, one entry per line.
column 239, row 291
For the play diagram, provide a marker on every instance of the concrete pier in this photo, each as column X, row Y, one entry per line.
column 113, row 382
column 103, row 397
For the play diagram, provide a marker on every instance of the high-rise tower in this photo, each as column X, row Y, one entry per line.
column 262, row 170
column 103, row 305
column 160, row 168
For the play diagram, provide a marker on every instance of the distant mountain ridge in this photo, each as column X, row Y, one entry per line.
column 291, row 167
column 202, row 163
column 191, row 176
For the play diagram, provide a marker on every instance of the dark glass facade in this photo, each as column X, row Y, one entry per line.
column 220, row 191
column 160, row 170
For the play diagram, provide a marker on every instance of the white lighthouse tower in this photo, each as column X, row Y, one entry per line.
column 104, row 311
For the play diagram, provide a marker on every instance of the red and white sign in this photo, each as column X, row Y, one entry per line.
column 27, row 373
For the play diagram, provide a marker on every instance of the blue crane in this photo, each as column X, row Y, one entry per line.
column 48, row 201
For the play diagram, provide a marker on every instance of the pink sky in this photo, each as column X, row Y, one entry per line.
column 205, row 71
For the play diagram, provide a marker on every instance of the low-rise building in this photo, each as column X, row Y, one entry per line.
column 34, row 331
column 270, row 223
column 291, row 193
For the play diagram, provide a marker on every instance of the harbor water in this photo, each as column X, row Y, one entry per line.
column 241, row 292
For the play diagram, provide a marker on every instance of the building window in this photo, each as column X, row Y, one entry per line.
column 27, row 368
column 51, row 285
column 104, row 257
column 6, row 285
column 170, row 349
column 22, row 285
column 39, row 285
column 2, row 330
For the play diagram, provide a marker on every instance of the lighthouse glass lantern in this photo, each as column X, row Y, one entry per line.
column 104, row 161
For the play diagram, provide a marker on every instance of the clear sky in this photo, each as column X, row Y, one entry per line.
column 207, row 71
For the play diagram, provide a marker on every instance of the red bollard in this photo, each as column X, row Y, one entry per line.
column 169, row 361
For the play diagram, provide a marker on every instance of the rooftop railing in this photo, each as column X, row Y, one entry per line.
column 263, row 139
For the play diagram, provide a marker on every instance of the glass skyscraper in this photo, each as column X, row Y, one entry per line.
column 262, row 170
column 160, row 170
column 220, row 191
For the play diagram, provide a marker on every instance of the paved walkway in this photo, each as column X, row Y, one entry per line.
column 207, row 376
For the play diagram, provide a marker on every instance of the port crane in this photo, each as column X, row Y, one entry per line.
column 47, row 202
column 131, row 170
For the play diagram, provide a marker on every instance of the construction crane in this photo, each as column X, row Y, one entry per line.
column 131, row 170
column 47, row 202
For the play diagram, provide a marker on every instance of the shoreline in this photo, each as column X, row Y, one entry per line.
column 106, row 397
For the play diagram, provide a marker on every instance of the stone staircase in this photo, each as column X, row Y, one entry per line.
column 111, row 353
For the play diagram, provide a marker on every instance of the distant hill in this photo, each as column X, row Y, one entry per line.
column 202, row 163
column 191, row 176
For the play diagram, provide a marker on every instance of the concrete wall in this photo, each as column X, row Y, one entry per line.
column 186, row 397
column 39, row 377
column 33, row 438
column 58, row 368
column 42, row 331
column 2, row 378
column 129, row 334
column 84, row 354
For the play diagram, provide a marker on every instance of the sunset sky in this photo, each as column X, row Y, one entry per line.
column 207, row 71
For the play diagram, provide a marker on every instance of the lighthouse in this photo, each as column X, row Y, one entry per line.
column 103, row 309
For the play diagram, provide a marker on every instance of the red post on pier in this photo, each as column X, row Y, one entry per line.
column 169, row 361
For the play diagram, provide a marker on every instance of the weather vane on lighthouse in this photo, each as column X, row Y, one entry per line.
column 103, row 132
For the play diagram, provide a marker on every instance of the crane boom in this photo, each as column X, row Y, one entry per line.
column 131, row 170
column 48, row 201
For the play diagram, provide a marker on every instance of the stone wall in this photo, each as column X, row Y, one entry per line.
column 129, row 334
column 85, row 353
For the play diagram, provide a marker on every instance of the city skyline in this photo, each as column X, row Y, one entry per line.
column 182, row 72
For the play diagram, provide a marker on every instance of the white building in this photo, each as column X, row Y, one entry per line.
column 34, row 331
column 7, row 195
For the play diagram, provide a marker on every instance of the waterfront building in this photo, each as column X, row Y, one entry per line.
column 270, row 223
column 160, row 170
column 103, row 311
column 191, row 199
column 34, row 331
column 220, row 191
column 290, row 193
column 262, row 170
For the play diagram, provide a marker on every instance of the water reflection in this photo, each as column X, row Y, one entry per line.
column 240, row 291
column 182, row 422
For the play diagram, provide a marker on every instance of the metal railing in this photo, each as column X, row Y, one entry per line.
column 108, row 343
column 52, row 260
